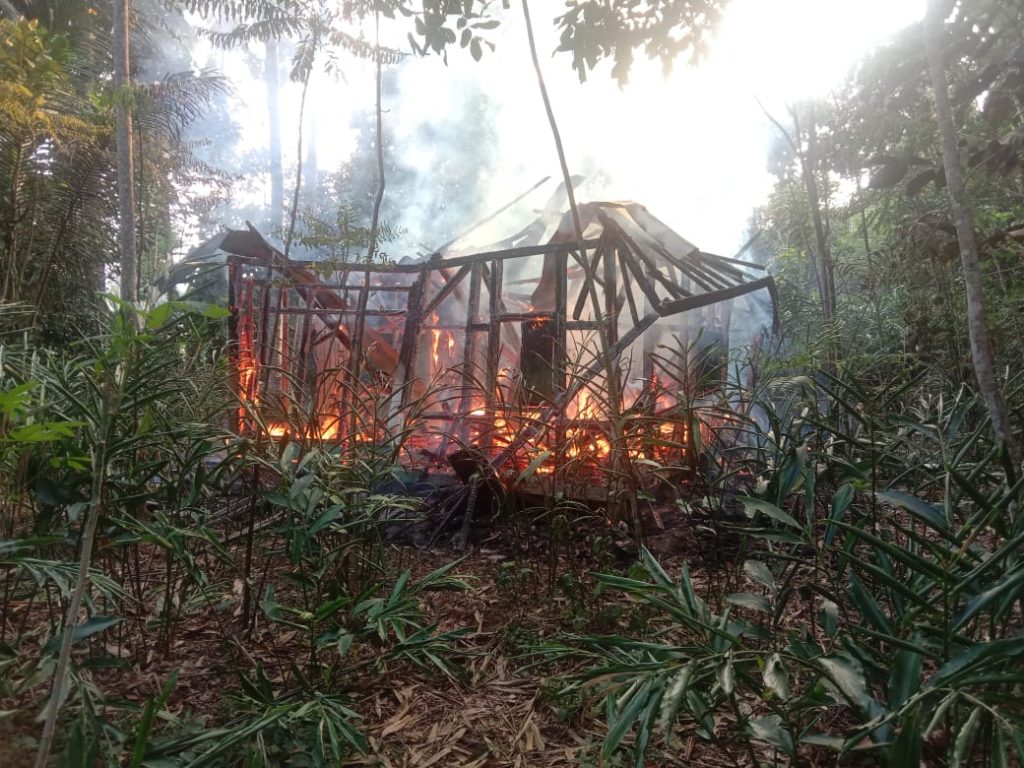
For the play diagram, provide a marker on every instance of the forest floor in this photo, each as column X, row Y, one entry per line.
column 505, row 709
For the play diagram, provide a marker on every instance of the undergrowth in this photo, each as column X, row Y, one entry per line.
column 861, row 604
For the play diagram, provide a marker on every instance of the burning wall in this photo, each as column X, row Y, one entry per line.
column 507, row 350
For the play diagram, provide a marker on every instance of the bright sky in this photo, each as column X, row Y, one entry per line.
column 691, row 148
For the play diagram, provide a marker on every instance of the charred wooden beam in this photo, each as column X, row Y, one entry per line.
column 469, row 342
column 494, row 331
column 627, row 287
column 406, row 369
column 610, row 298
column 581, row 300
column 446, row 290
column 626, row 259
column 694, row 302
column 254, row 254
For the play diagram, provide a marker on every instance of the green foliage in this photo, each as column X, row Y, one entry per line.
column 593, row 30
column 300, row 728
column 322, row 26
column 57, row 165
column 916, row 642
column 887, row 222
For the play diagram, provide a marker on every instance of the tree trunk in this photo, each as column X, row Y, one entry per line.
column 311, row 165
column 981, row 348
column 125, row 155
column 824, row 254
column 271, row 76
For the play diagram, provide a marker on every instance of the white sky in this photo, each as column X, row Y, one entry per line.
column 692, row 147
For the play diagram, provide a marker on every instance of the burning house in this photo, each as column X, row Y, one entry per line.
column 533, row 353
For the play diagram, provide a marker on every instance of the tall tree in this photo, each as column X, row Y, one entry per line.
column 125, row 152
column 804, row 145
column 981, row 347
column 271, row 78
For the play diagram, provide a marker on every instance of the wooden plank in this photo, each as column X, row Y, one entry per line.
column 406, row 370
column 693, row 302
column 627, row 287
column 519, row 317
column 561, row 302
column 581, row 302
column 266, row 334
column 373, row 289
column 637, row 253
column 446, row 290
column 626, row 259
column 333, row 312
column 308, row 372
column 610, row 304
column 348, row 415
column 451, row 263
column 234, row 355
column 468, row 354
column 494, row 332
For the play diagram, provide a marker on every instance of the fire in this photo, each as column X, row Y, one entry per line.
column 579, row 441
column 327, row 427
column 435, row 347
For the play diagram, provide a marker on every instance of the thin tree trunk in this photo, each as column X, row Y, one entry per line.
column 311, row 172
column 271, row 76
column 125, row 155
column 293, row 215
column 821, row 258
column 356, row 350
column 11, row 290
column 824, row 255
column 379, row 197
column 981, row 347
column 58, row 689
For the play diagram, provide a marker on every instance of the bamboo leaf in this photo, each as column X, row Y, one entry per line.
column 776, row 678
column 964, row 743
column 1006, row 590
column 770, row 729
column 867, row 605
column 672, row 700
column 760, row 572
column 905, row 677
column 747, row 600
column 146, row 723
column 622, row 720
column 906, row 749
column 919, row 508
column 1002, row 651
column 726, row 675
column 840, row 502
column 534, row 465
column 751, row 506
column 848, row 677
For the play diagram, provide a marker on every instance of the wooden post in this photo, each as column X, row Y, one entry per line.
column 469, row 346
column 494, row 334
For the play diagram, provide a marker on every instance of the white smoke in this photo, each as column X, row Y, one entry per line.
column 691, row 147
